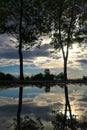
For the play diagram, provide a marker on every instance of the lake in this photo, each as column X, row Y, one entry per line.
column 40, row 101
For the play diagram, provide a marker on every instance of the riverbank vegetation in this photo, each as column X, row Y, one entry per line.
column 46, row 76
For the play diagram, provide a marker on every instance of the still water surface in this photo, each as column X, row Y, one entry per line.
column 32, row 90
column 45, row 99
column 29, row 91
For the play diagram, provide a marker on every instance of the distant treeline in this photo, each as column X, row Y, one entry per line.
column 45, row 76
column 4, row 76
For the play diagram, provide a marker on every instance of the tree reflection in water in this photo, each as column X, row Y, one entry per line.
column 47, row 88
column 66, row 120
column 67, row 104
column 67, row 110
column 62, row 120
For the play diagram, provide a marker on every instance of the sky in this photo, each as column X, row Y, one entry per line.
column 38, row 59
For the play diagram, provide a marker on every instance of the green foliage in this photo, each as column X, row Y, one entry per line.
column 58, row 121
column 68, row 22
column 3, row 15
column 2, row 76
column 69, row 124
column 65, row 28
column 84, row 77
column 68, row 25
column 60, row 124
column 9, row 77
column 28, row 123
column 37, row 77
column 27, row 78
column 47, row 75
column 33, row 20
column 46, row 71
column 60, row 76
column 47, row 88
column 6, row 76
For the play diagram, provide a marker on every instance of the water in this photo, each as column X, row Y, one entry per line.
column 28, row 91
column 40, row 101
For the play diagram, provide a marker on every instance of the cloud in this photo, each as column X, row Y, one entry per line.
column 31, row 66
column 82, row 61
column 9, row 54
column 7, row 41
column 10, row 62
column 36, row 52
column 8, row 50
column 34, row 58
column 41, row 58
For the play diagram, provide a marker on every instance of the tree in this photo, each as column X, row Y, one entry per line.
column 37, row 77
column 27, row 78
column 84, row 78
column 47, row 75
column 21, row 65
column 60, row 76
column 47, row 88
column 65, row 19
column 9, row 77
column 22, row 19
column 2, row 76
column 47, row 71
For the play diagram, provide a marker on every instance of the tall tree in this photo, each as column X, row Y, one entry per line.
column 22, row 19
column 21, row 65
column 65, row 18
column 8, row 25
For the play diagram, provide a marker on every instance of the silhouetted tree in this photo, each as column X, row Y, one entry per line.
column 27, row 78
column 60, row 76
column 22, row 19
column 37, row 77
column 63, row 17
column 46, row 74
column 47, row 88
column 47, row 71
column 84, row 78
column 9, row 77
column 2, row 76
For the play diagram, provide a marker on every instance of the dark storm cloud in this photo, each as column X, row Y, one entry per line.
column 9, row 54
column 12, row 53
column 8, row 50
column 26, row 54
column 82, row 61
column 37, row 52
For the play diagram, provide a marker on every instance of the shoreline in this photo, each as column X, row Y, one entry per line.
column 40, row 83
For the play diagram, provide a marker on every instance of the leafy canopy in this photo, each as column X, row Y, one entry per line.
column 33, row 21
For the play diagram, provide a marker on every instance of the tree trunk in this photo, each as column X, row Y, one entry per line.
column 65, row 69
column 21, row 68
column 67, row 104
column 20, row 88
column 19, row 109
